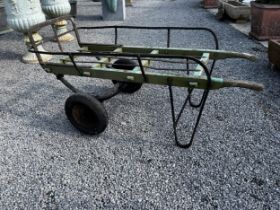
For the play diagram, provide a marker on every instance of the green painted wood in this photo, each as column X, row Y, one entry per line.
column 106, row 60
column 194, row 81
column 89, row 47
column 146, row 63
column 152, row 78
column 97, row 65
column 214, row 54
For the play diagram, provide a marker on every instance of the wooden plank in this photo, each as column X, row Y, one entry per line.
column 214, row 54
column 98, row 65
column 106, row 60
column 152, row 78
column 127, row 76
column 146, row 63
column 91, row 47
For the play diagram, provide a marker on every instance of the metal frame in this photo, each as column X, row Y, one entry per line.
column 197, row 78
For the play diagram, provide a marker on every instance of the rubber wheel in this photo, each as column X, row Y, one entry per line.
column 126, row 87
column 86, row 113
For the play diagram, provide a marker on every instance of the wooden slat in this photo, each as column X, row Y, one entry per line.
column 128, row 76
column 152, row 77
column 214, row 54
column 146, row 63
column 91, row 47
column 106, row 60
column 98, row 65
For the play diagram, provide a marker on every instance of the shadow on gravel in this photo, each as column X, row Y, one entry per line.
column 38, row 109
column 196, row 5
column 89, row 18
column 55, row 123
column 12, row 36
column 9, row 55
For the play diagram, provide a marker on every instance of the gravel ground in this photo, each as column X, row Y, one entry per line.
column 234, row 163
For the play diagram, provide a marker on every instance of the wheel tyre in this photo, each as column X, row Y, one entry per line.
column 126, row 87
column 86, row 113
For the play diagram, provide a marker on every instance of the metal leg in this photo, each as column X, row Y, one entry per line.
column 200, row 105
column 176, row 120
column 192, row 104
column 67, row 84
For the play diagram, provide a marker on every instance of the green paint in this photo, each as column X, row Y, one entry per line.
column 191, row 81
column 214, row 54
column 152, row 78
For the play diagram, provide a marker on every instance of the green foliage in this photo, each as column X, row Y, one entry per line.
column 268, row 1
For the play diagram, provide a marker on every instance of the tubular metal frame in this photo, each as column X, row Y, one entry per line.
column 106, row 53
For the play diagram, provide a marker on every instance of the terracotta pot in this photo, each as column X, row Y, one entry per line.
column 208, row 4
column 274, row 52
column 265, row 21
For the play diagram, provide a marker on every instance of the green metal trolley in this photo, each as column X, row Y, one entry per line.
column 129, row 67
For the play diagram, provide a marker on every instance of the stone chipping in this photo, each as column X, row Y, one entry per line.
column 45, row 163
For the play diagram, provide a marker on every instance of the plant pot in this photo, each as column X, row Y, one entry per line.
column 236, row 10
column 21, row 16
column 274, row 52
column 208, row 4
column 265, row 21
column 73, row 4
column 57, row 8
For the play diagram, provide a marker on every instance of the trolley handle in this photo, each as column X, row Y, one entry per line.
column 243, row 84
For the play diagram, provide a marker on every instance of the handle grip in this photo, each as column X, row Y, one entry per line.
column 243, row 84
